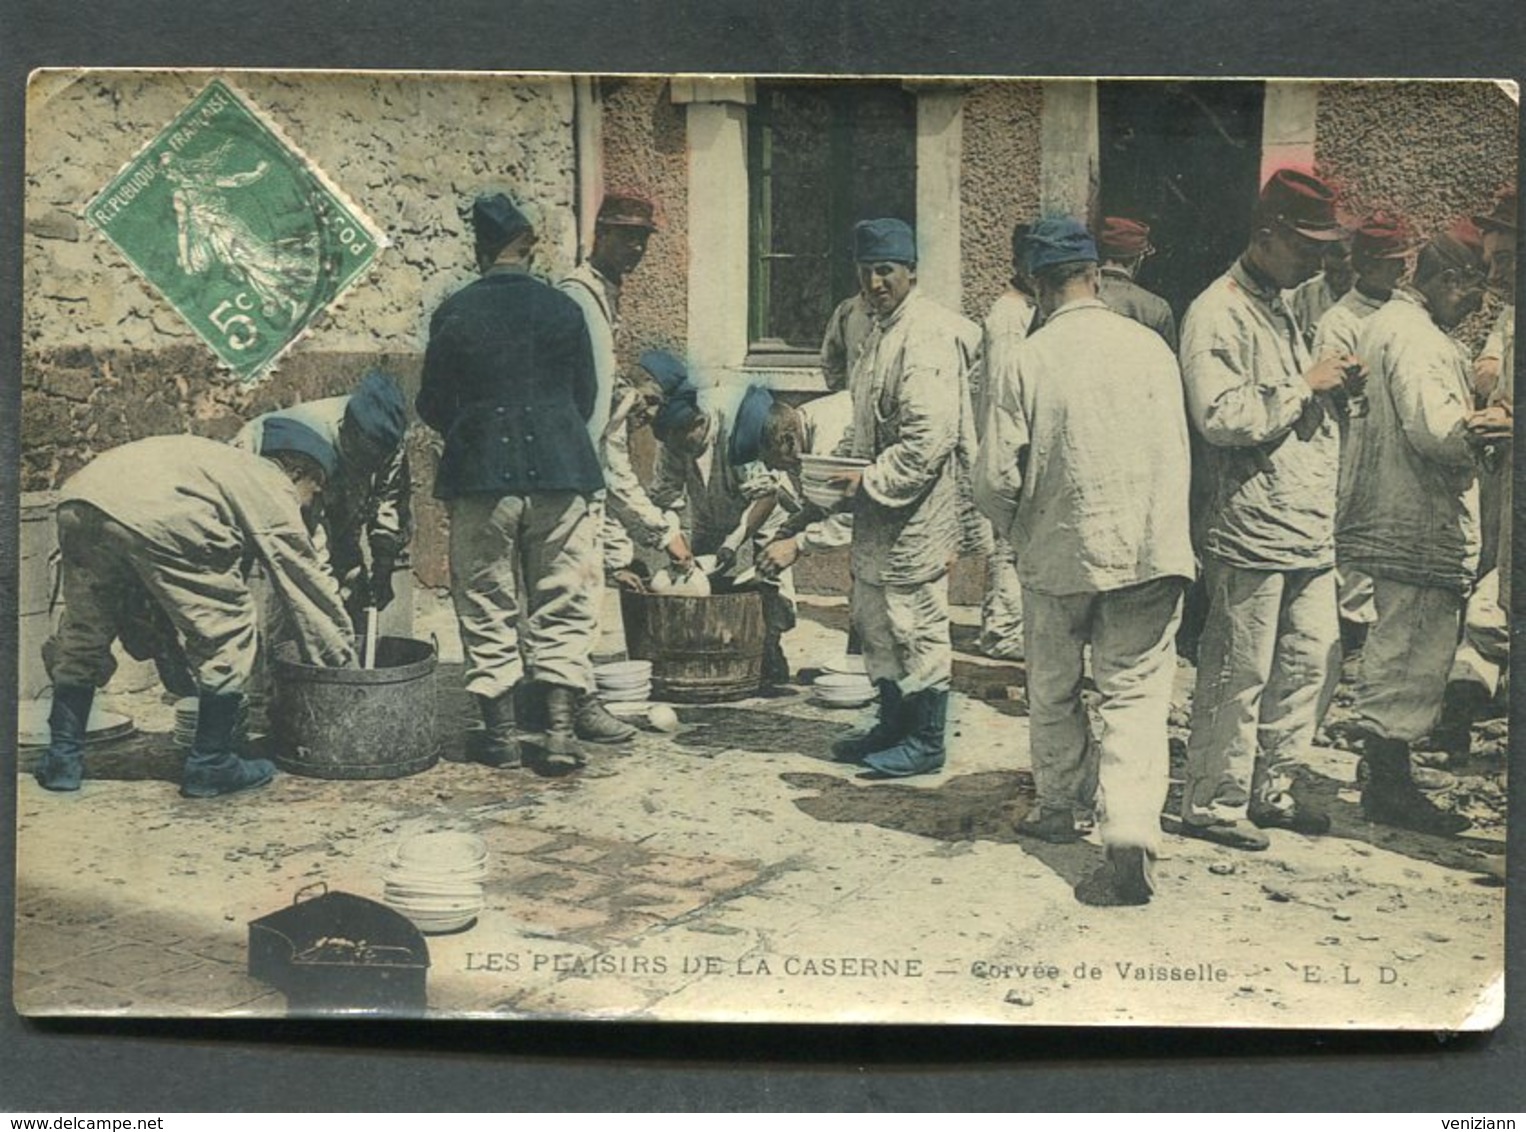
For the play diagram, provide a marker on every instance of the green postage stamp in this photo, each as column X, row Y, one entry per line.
column 237, row 228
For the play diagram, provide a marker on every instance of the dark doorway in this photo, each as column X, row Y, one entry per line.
column 1184, row 157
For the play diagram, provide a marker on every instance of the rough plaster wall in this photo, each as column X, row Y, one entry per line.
column 1430, row 151
column 645, row 149
column 107, row 360
column 999, row 185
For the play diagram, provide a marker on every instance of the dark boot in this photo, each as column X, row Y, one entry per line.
column 529, row 700
column 557, row 751
column 1391, row 797
column 63, row 763
column 594, row 724
column 922, row 749
column 886, row 731
column 1465, row 701
column 775, row 666
column 500, row 732
column 1133, row 873
column 212, row 768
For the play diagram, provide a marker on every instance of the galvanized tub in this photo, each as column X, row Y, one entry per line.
column 702, row 649
column 353, row 723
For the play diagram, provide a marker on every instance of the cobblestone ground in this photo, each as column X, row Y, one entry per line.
column 731, row 870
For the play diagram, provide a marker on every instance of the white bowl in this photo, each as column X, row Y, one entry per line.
column 831, row 682
column 822, row 496
column 443, row 850
column 626, row 695
column 623, row 671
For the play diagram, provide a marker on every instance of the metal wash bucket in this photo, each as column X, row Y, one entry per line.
column 351, row 723
column 702, row 649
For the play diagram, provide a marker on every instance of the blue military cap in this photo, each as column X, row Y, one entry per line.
column 886, row 240
column 378, row 409
column 495, row 219
column 1057, row 240
column 668, row 370
column 677, row 412
column 747, row 432
column 286, row 434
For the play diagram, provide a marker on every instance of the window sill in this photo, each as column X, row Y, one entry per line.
column 775, row 373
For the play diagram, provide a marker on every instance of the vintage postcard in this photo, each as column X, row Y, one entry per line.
column 747, row 548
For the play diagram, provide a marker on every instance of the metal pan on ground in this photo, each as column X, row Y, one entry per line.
column 32, row 724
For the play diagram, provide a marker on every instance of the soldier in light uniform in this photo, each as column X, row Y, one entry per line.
column 816, row 428
column 847, row 331
column 708, row 471
column 1271, row 642
column 1012, row 317
column 1483, row 655
column 638, row 399
column 183, row 519
column 1309, row 301
column 1124, row 245
column 1379, row 258
column 908, row 401
column 365, row 512
column 1086, row 465
column 1409, row 518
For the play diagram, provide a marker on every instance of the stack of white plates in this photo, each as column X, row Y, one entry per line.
column 185, row 721
column 816, row 471
column 624, row 681
column 842, row 689
column 435, row 879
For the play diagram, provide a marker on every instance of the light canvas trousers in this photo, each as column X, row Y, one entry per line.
column 1409, row 651
column 1267, row 666
column 1485, row 647
column 526, row 578
column 1001, row 607
column 211, row 608
column 1132, row 634
column 904, row 631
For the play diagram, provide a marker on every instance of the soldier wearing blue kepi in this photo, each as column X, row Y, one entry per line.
column 181, row 519
column 908, row 401
column 1085, row 469
column 710, row 472
column 365, row 512
column 509, row 382
column 638, row 399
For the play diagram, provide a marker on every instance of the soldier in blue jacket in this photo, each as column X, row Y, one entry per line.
column 509, row 383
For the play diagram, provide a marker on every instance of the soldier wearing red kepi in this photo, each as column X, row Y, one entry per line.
column 1271, row 641
column 1124, row 245
column 1409, row 517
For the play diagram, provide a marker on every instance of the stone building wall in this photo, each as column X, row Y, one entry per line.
column 107, row 360
column 1429, row 151
column 999, row 184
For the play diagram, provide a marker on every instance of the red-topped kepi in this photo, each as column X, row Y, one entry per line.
column 1462, row 244
column 1382, row 235
column 1301, row 201
column 1122, row 238
column 627, row 210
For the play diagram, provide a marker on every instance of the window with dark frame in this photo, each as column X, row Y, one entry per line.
column 820, row 157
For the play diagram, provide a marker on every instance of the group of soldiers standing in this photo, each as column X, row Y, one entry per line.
column 1310, row 450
